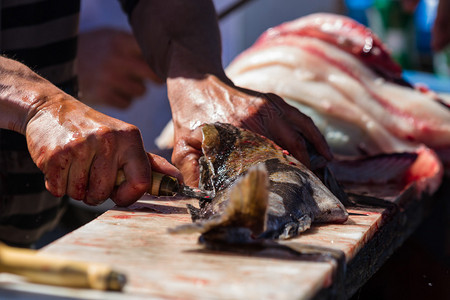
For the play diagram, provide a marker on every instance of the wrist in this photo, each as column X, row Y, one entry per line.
column 186, row 63
column 23, row 93
column 181, row 88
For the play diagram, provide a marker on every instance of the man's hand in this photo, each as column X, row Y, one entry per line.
column 111, row 68
column 80, row 151
column 212, row 100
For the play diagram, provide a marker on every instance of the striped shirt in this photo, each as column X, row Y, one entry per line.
column 42, row 34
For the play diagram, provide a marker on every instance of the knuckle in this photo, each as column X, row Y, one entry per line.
column 103, row 135
column 57, row 160
column 78, row 149
column 134, row 133
column 133, row 129
column 107, row 144
column 140, row 187
column 77, row 195
column 53, row 187
column 96, row 197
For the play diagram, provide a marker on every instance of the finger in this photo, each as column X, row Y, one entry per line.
column 301, row 123
column 127, row 44
column 78, row 174
column 101, row 180
column 135, row 64
column 140, row 69
column 123, row 86
column 160, row 164
column 111, row 97
column 126, row 76
column 138, row 63
column 137, row 170
column 56, row 173
column 77, row 182
column 294, row 143
column 130, row 87
column 304, row 124
column 185, row 158
column 115, row 99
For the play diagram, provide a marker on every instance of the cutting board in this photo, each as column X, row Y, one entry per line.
column 136, row 241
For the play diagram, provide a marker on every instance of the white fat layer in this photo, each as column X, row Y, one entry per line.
column 337, row 84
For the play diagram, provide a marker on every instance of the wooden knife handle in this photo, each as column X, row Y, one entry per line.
column 162, row 184
column 59, row 271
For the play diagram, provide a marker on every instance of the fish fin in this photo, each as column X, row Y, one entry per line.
column 289, row 230
column 186, row 228
column 293, row 229
column 246, row 209
column 194, row 212
column 249, row 199
column 335, row 187
column 320, row 169
column 367, row 201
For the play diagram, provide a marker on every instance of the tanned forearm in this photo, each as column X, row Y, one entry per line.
column 179, row 36
column 21, row 93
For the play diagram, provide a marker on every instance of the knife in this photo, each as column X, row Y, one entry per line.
column 49, row 269
column 166, row 185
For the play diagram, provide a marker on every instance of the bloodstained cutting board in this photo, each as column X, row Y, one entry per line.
column 135, row 240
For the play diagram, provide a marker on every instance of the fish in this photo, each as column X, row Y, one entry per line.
column 261, row 191
column 341, row 74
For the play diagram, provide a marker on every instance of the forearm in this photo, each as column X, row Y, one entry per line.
column 179, row 38
column 21, row 93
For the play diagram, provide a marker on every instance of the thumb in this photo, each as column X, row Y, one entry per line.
column 137, row 173
column 160, row 164
column 186, row 157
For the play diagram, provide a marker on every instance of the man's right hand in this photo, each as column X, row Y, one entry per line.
column 80, row 150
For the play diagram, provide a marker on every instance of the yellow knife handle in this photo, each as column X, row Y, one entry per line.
column 48, row 269
column 162, row 184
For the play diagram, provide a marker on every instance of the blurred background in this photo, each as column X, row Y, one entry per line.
column 408, row 36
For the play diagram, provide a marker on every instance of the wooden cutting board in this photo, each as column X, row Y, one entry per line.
column 135, row 240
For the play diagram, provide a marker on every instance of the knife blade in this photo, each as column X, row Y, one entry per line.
column 166, row 185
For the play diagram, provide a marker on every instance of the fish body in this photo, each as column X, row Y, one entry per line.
column 258, row 187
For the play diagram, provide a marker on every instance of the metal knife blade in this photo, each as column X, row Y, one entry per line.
column 166, row 185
